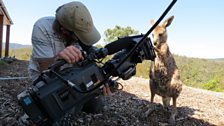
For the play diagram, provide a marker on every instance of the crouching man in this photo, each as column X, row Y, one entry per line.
column 63, row 37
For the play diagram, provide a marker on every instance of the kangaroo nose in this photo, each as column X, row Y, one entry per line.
column 155, row 42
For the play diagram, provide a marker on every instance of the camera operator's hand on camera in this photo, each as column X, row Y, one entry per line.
column 71, row 54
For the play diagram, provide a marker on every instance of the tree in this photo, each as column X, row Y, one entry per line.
column 118, row 31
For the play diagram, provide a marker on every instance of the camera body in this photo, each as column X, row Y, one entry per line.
column 50, row 99
column 58, row 92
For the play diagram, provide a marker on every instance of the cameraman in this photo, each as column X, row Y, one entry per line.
column 64, row 37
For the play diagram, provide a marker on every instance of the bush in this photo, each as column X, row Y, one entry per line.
column 2, row 62
column 213, row 85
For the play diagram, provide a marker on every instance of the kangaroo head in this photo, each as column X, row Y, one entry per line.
column 159, row 34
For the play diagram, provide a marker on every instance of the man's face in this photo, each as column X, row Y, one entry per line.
column 68, row 35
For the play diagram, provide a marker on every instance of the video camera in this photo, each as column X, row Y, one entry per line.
column 57, row 92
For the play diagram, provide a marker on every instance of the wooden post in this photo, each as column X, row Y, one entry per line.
column 1, row 33
column 7, row 41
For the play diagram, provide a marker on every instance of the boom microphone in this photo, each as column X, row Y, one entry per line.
column 121, row 43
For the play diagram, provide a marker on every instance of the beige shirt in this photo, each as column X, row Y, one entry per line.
column 46, row 43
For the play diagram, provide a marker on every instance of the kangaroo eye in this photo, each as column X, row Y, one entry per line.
column 160, row 35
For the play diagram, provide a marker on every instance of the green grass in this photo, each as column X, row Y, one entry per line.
column 22, row 54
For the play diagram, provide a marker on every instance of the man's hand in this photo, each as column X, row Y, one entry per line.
column 71, row 54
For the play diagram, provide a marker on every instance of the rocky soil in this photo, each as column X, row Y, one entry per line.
column 128, row 107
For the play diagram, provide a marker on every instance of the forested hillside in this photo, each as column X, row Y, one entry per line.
column 195, row 72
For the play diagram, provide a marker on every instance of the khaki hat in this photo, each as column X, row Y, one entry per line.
column 75, row 17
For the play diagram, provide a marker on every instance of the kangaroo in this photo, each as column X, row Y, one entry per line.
column 164, row 75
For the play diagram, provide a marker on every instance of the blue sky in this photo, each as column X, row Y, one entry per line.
column 196, row 31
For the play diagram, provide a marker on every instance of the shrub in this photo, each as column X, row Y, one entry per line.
column 213, row 85
column 2, row 62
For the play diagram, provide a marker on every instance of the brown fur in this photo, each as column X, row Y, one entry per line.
column 164, row 75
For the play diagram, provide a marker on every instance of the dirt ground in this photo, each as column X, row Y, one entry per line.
column 127, row 107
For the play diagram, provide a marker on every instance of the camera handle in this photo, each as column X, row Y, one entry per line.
column 57, row 64
column 55, row 68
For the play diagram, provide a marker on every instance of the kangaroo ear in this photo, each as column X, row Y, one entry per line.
column 168, row 21
column 152, row 22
